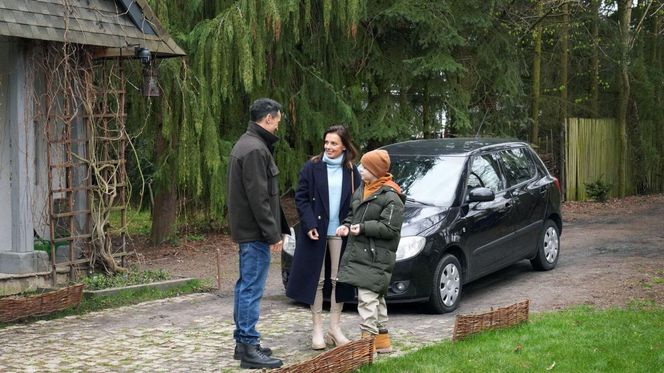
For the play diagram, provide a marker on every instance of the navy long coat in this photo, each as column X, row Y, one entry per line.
column 312, row 201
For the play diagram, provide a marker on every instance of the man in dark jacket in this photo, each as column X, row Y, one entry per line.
column 257, row 223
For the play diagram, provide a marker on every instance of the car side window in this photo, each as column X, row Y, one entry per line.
column 518, row 165
column 484, row 173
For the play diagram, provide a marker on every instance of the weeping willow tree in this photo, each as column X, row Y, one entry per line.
column 297, row 52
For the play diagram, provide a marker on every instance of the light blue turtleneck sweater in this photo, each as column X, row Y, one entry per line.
column 335, row 179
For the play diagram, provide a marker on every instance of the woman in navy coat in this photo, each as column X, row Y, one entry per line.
column 325, row 186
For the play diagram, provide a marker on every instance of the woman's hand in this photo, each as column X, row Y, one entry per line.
column 355, row 229
column 342, row 231
column 313, row 234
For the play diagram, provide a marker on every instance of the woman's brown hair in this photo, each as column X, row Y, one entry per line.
column 350, row 153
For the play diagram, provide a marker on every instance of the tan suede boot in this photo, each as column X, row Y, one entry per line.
column 382, row 342
column 334, row 334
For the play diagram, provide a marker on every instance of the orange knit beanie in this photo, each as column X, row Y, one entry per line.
column 377, row 162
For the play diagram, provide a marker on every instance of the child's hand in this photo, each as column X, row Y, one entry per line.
column 355, row 229
column 342, row 231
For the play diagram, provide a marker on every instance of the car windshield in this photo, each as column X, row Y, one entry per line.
column 428, row 180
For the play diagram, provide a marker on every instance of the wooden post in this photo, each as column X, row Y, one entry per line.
column 218, row 269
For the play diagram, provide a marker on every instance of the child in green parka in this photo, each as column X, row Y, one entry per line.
column 373, row 227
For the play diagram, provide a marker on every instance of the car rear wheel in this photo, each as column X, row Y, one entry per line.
column 548, row 248
column 446, row 290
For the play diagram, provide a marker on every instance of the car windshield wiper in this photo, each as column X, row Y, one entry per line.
column 411, row 199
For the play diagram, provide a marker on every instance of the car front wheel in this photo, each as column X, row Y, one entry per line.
column 446, row 291
column 548, row 248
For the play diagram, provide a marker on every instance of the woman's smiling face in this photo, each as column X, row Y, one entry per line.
column 333, row 145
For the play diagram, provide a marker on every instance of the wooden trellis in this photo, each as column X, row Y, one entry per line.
column 84, row 121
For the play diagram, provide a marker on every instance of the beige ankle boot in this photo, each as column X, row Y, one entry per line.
column 334, row 334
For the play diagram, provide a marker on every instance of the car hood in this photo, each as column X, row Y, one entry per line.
column 420, row 219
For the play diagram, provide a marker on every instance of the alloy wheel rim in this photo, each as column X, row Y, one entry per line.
column 551, row 245
column 449, row 284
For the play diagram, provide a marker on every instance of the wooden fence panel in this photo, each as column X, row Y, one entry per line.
column 593, row 153
column 652, row 161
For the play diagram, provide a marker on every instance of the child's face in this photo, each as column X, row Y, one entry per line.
column 367, row 176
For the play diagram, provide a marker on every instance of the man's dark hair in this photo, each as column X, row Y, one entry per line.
column 262, row 107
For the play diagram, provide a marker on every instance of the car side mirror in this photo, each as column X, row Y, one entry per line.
column 481, row 195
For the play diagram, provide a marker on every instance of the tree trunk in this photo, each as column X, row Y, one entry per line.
column 624, row 14
column 656, row 52
column 426, row 115
column 537, row 71
column 594, row 87
column 164, row 207
column 564, row 63
column 656, row 25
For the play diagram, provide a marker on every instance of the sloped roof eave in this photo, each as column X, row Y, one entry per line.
column 100, row 23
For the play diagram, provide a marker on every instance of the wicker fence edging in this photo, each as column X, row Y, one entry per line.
column 14, row 308
column 340, row 359
column 504, row 317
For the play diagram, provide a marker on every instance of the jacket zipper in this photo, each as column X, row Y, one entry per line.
column 371, row 241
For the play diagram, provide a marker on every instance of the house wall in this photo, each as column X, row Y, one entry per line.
column 5, row 163
column 17, row 253
column 40, row 213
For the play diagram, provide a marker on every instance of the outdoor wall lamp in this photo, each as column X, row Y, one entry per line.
column 150, row 83
column 144, row 55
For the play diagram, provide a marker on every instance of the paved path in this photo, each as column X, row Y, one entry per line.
column 184, row 334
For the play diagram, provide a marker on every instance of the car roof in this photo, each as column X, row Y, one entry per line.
column 450, row 146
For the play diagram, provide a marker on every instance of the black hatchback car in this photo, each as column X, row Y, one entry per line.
column 473, row 206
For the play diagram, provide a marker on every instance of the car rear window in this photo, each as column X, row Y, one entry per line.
column 519, row 167
column 484, row 173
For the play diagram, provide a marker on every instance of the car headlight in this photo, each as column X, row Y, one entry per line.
column 289, row 243
column 409, row 247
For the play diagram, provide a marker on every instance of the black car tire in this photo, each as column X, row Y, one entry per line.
column 548, row 248
column 446, row 287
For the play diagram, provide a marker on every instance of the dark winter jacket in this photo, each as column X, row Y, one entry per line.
column 312, row 202
column 371, row 255
column 254, row 209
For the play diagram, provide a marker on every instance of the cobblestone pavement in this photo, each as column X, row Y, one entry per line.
column 184, row 334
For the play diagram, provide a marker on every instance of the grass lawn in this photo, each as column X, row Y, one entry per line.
column 581, row 339
column 138, row 222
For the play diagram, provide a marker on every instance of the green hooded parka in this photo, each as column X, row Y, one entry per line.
column 370, row 256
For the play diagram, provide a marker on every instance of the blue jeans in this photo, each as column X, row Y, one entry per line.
column 254, row 265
